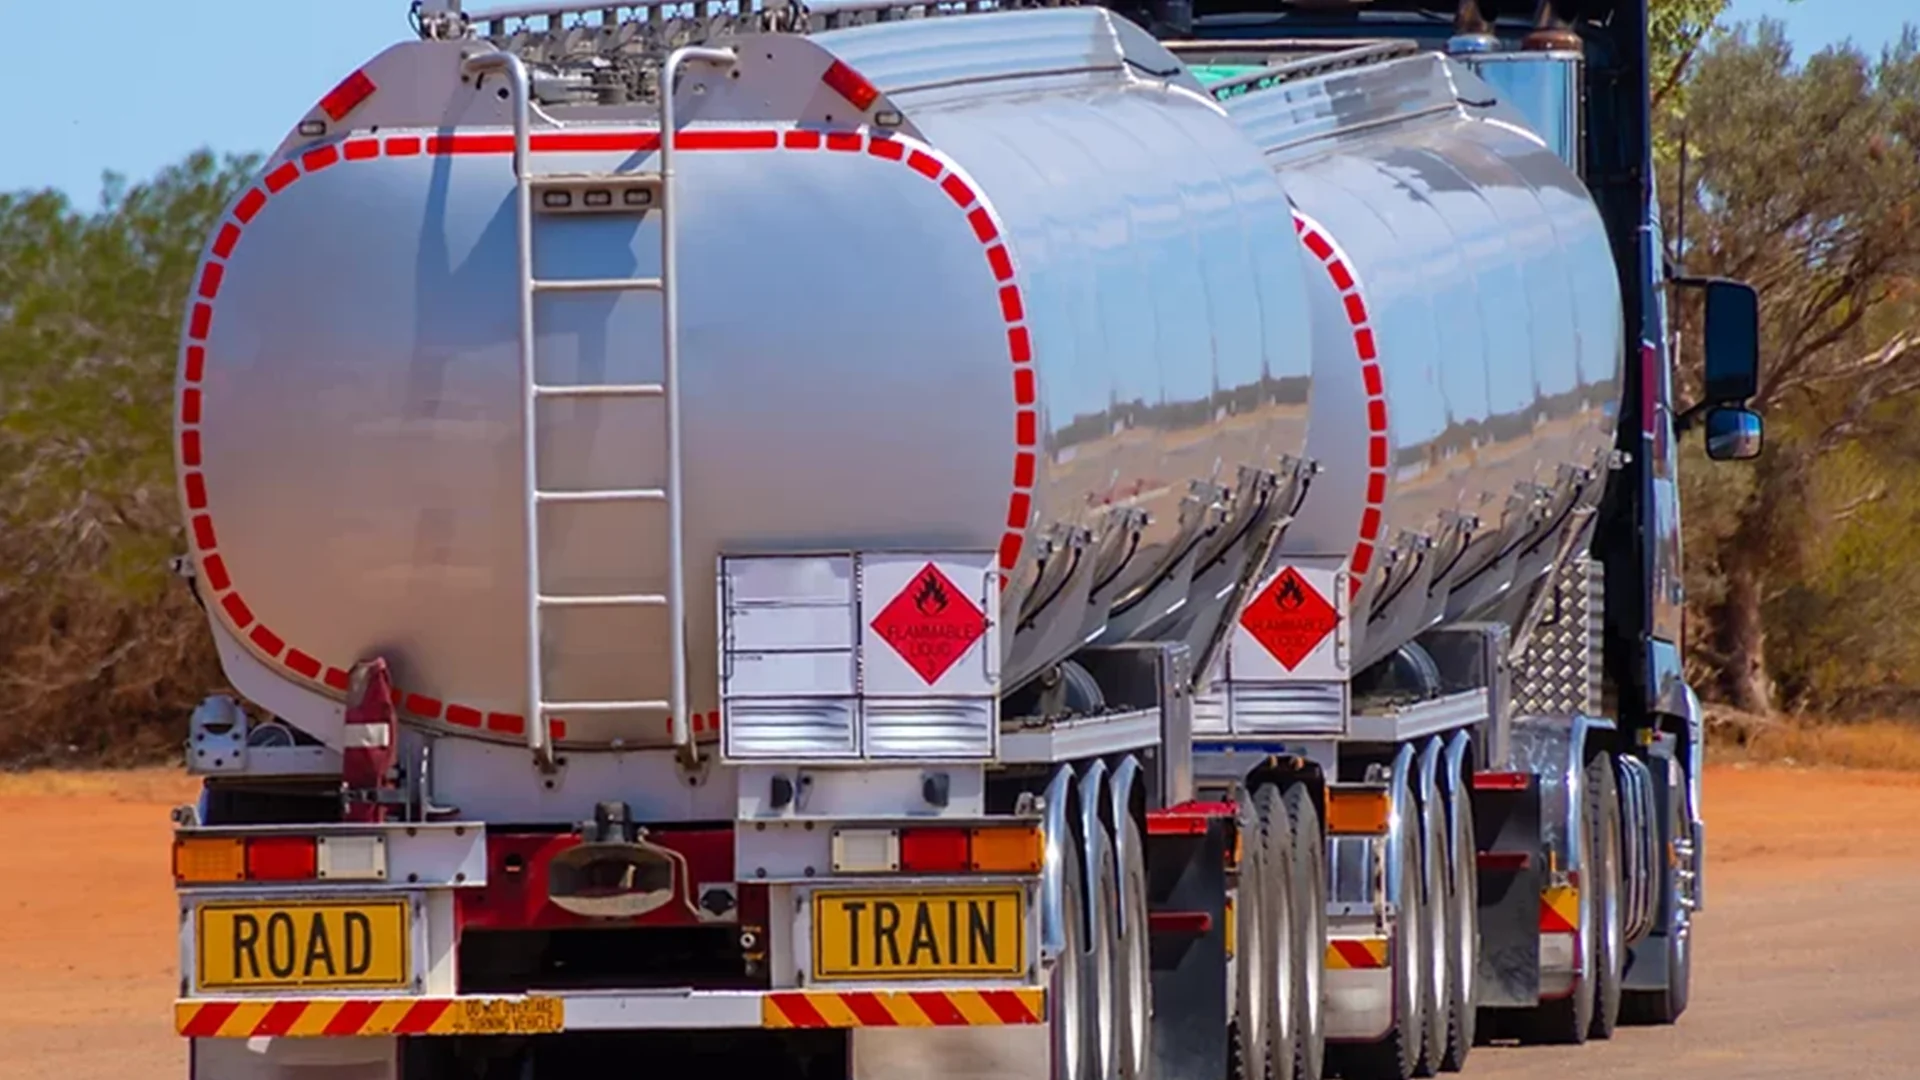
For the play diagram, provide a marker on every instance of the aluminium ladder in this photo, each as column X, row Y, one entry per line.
column 541, row 710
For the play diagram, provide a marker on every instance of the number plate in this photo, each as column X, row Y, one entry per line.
column 884, row 935
column 358, row 944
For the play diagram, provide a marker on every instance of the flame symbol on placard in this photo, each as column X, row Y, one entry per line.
column 931, row 598
column 1289, row 595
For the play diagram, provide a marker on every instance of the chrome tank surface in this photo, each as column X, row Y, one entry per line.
column 1035, row 321
column 1467, row 334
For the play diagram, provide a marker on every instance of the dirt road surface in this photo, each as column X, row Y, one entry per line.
column 1802, row 955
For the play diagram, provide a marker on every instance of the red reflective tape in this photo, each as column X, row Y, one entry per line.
column 270, row 643
column 419, row 1019
column 1025, row 465
column 203, row 537
column 223, row 243
column 1318, row 245
column 957, row 190
column 886, row 146
column 1377, row 488
column 423, row 706
column 846, row 142
column 1356, row 954
column 279, row 179
column 353, row 1016
column 279, row 1019
column 302, row 664
column 1019, row 345
column 1377, row 453
column 1008, row 1007
column 736, row 140
column 338, row 678
column 469, row 144
column 201, row 322
column 600, row 141
column 1019, row 508
column 1010, row 545
column 315, row 160
column 464, row 715
column 509, row 723
column 1363, row 343
column 1370, row 522
column 1010, row 307
column 1362, row 559
column 210, row 276
column 403, row 146
column 998, row 259
column 866, row 1009
column 1026, row 425
column 196, row 362
column 190, row 405
column 939, row 1008
column 1356, row 309
column 1370, row 374
column 196, row 491
column 189, row 448
column 216, row 570
column 807, row 140
column 924, row 163
column 206, row 1022
column 1501, row 781
column 1552, row 922
column 1175, row 825
column 362, row 149
column 1192, row 923
column 1377, row 415
column 557, row 728
column 1023, row 390
column 799, row 1010
column 249, row 205
column 1342, row 279
column 237, row 610
column 1504, row 861
column 347, row 96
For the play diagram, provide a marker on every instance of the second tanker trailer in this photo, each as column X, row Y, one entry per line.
column 891, row 519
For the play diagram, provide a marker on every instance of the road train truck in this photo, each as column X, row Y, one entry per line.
column 946, row 538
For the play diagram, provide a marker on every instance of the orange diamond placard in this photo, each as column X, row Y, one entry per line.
column 1290, row 618
column 931, row 624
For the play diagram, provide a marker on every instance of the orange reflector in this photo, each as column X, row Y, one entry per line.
column 1014, row 850
column 209, row 859
column 1364, row 811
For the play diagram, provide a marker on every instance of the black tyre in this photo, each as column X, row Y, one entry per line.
column 1436, row 936
column 1135, row 1003
column 1247, row 1030
column 1283, row 957
column 1066, row 1005
column 1310, row 931
column 1609, row 939
column 1463, row 998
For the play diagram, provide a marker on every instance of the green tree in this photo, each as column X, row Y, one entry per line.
column 96, row 639
column 1804, row 179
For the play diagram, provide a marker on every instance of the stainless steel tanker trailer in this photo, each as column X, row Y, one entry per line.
column 1131, row 542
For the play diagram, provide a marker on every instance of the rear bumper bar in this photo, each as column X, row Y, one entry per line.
column 606, row 1011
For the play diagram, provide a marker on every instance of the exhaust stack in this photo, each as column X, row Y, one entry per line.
column 1472, row 32
column 1552, row 31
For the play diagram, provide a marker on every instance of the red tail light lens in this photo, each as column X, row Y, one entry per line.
column 851, row 85
column 935, row 851
column 282, row 858
column 346, row 97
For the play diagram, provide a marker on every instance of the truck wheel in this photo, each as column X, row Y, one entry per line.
column 1283, row 949
column 1567, row 1020
column 1066, row 1011
column 1436, row 935
column 1394, row 1056
column 1310, row 933
column 1609, row 945
column 1247, row 1031
column 1135, row 1001
column 1463, row 896
column 1102, row 971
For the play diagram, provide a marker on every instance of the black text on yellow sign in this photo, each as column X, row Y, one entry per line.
column 304, row 945
column 875, row 935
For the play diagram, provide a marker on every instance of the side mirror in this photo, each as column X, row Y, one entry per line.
column 1734, row 434
column 1732, row 342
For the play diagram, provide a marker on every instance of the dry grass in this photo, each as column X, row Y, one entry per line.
column 1887, row 745
column 154, row 785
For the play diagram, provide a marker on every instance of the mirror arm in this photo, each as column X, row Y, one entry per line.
column 1684, row 420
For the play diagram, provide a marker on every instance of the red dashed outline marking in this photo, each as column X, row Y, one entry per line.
column 1314, row 237
column 921, row 159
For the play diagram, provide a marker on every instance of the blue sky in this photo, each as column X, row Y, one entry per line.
column 131, row 85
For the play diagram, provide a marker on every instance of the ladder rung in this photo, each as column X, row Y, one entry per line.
column 606, row 600
column 604, row 706
column 595, row 390
column 621, row 284
column 604, row 495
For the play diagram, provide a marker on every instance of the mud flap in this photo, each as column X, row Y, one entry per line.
column 1506, row 829
column 1187, row 909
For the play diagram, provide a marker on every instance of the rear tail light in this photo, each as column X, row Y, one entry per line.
column 851, row 85
column 940, row 849
column 347, row 96
column 206, row 860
